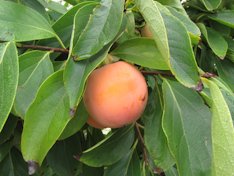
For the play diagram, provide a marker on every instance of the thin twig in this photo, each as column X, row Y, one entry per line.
column 157, row 73
column 43, row 48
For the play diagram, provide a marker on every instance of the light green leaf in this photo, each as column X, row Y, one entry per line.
column 224, row 17
column 222, row 134
column 45, row 119
column 100, row 29
column 215, row 40
column 21, row 23
column 155, row 139
column 9, row 73
column 154, row 20
column 76, row 73
column 171, row 172
column 182, row 60
column 211, row 4
column 187, row 125
column 111, row 149
column 35, row 67
column 141, row 51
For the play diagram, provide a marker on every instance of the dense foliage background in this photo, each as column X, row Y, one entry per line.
column 48, row 50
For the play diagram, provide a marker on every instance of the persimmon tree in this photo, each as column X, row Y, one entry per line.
column 184, row 50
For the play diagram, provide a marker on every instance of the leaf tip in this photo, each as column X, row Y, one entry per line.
column 32, row 167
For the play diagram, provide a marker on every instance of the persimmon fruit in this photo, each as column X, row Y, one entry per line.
column 115, row 95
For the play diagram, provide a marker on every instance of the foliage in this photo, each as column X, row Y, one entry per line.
column 47, row 52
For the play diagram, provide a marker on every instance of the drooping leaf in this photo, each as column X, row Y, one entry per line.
column 182, row 60
column 45, row 119
column 187, row 125
column 35, row 67
column 9, row 73
column 215, row 40
column 76, row 123
column 111, row 149
column 21, row 23
column 225, row 70
column 153, row 18
column 222, row 133
column 224, row 17
column 76, row 73
column 211, row 4
column 100, row 29
column 141, row 51
column 155, row 139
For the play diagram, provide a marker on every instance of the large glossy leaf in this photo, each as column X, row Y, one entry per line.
column 111, row 149
column 211, row 4
column 215, row 40
column 229, row 98
column 76, row 73
column 45, row 119
column 32, row 74
column 225, row 70
column 187, row 125
column 100, row 29
column 182, row 59
column 141, row 51
column 153, row 18
column 224, row 17
column 222, row 133
column 21, row 23
column 9, row 73
column 155, row 139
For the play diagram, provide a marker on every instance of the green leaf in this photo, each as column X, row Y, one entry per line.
column 224, row 17
column 225, row 70
column 230, row 52
column 100, row 29
column 134, row 168
column 111, row 149
column 222, row 133
column 4, row 149
column 141, row 51
column 61, row 157
column 182, row 60
column 8, row 129
column 211, row 4
column 155, row 139
column 31, row 75
column 171, row 172
column 215, row 40
column 76, row 74
column 21, row 23
column 187, row 125
column 9, row 73
column 76, row 123
column 45, row 119
column 153, row 18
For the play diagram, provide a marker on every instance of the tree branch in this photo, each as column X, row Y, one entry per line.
column 43, row 48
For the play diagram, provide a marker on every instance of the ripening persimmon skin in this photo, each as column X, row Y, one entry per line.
column 116, row 94
column 94, row 124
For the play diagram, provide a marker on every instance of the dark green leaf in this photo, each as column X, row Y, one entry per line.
column 45, row 119
column 21, row 23
column 141, row 51
column 111, row 149
column 134, row 168
column 215, row 40
column 35, row 67
column 153, row 18
column 222, row 133
column 4, row 149
column 100, row 29
column 9, row 68
column 225, row 71
column 187, row 125
column 211, row 4
column 224, row 17
column 155, row 139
